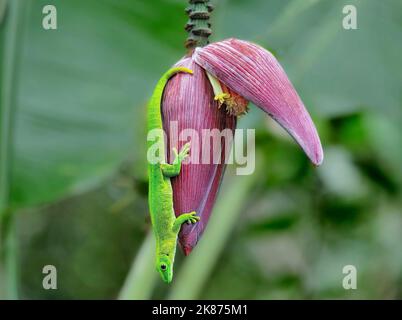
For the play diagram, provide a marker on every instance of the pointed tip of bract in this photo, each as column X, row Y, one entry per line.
column 307, row 138
column 319, row 157
column 187, row 250
column 255, row 74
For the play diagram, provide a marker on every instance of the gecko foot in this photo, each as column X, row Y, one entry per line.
column 190, row 218
column 184, row 152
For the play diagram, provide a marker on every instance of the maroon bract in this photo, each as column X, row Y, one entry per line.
column 244, row 72
column 188, row 103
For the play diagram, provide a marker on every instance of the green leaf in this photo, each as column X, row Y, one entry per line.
column 83, row 90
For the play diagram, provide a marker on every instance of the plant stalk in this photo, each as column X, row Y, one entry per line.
column 10, row 56
column 197, row 268
column 142, row 276
column 198, row 25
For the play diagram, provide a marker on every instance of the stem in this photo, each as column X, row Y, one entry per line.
column 142, row 276
column 198, row 26
column 3, row 5
column 9, row 255
column 10, row 58
column 197, row 267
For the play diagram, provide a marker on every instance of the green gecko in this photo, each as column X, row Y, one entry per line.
column 165, row 225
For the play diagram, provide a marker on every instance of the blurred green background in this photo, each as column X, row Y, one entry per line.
column 73, row 181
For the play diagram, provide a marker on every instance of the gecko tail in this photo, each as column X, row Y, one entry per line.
column 171, row 72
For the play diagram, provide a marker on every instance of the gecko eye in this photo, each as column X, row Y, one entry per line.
column 163, row 267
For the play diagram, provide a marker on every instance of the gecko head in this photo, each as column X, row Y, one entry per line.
column 164, row 265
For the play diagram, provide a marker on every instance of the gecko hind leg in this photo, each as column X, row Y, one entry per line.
column 190, row 218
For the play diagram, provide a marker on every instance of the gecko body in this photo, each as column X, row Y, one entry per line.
column 165, row 225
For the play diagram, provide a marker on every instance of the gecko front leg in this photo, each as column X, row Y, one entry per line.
column 185, row 217
column 173, row 170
